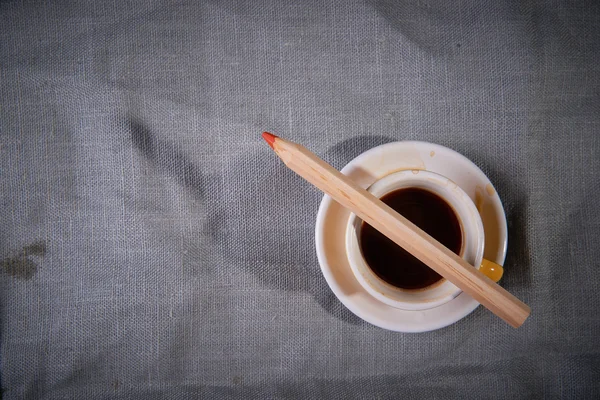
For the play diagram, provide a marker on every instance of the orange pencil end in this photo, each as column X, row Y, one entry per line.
column 269, row 138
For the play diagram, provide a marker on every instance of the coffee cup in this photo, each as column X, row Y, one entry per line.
column 470, row 229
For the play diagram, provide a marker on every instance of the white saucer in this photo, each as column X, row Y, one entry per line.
column 333, row 218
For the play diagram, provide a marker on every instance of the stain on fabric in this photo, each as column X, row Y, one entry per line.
column 21, row 265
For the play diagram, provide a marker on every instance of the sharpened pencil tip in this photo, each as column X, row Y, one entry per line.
column 269, row 138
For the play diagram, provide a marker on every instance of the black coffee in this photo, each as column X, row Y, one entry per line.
column 391, row 262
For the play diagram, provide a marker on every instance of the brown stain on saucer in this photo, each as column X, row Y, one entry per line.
column 479, row 199
column 490, row 218
column 415, row 171
column 20, row 265
column 431, row 153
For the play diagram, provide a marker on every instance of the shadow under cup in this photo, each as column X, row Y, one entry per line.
column 391, row 274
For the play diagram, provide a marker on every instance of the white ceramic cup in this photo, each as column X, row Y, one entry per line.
column 472, row 241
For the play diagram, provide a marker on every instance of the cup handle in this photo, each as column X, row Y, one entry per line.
column 491, row 270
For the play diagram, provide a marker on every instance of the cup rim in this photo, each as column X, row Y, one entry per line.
column 472, row 247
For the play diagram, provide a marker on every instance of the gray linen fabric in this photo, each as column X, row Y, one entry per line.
column 152, row 246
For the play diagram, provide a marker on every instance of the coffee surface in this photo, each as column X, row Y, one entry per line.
column 391, row 262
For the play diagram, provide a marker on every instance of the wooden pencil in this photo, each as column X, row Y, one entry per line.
column 400, row 230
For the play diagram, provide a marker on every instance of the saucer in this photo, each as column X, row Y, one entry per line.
column 374, row 164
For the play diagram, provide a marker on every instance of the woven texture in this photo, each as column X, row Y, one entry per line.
column 152, row 246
